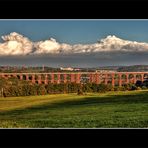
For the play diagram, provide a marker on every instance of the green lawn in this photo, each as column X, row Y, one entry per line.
column 112, row 109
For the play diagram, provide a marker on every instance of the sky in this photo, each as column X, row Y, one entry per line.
column 74, row 42
column 77, row 31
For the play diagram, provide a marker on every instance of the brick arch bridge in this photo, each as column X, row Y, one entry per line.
column 116, row 78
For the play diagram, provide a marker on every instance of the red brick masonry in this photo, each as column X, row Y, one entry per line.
column 116, row 78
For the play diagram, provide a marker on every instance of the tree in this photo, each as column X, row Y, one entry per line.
column 41, row 90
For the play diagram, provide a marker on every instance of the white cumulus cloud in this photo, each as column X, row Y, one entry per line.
column 17, row 44
column 48, row 46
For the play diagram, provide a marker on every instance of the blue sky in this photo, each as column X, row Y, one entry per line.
column 77, row 31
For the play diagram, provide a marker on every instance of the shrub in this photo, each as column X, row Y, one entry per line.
column 94, row 87
column 80, row 92
column 144, row 87
column 102, row 88
column 87, row 88
column 138, row 83
column 116, row 88
column 109, row 87
column 145, row 83
column 15, row 87
column 138, row 88
column 41, row 90
column 130, row 86
column 134, row 87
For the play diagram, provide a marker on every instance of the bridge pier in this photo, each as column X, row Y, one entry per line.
column 52, row 78
column 65, row 78
column 127, row 78
column 90, row 78
column 39, row 79
column 21, row 77
column 78, row 78
column 106, row 79
column 72, row 78
column 120, row 79
column 97, row 78
column 135, row 79
column 33, row 79
column 142, row 77
column 27, row 77
column 113, row 80
column 46, row 79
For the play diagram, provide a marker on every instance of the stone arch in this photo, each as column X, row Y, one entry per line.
column 24, row 77
column 102, row 78
column 145, row 76
column 131, row 75
column 42, row 82
column 36, row 77
column 42, row 76
column 19, row 77
column 30, row 77
column 11, row 75
column 116, row 77
column 36, row 82
column 48, row 77
column 108, row 79
column 131, row 78
column 62, row 77
column 138, row 77
column 124, row 78
column 85, row 78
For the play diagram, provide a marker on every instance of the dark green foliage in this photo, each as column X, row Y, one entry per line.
column 94, row 87
column 104, row 88
column 139, row 83
column 145, row 83
column 116, row 88
column 15, row 87
column 49, row 88
column 29, row 90
column 143, row 87
column 88, row 88
column 41, row 90
column 121, row 88
column 80, row 92
column 72, row 87
column 130, row 86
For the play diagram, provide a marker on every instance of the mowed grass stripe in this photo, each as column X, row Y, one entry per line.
column 12, row 103
column 111, row 109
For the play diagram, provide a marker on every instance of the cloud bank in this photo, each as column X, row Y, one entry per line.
column 17, row 44
column 17, row 49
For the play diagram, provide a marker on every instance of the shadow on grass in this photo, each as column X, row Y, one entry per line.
column 141, row 97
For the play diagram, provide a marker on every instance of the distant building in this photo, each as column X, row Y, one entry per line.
column 67, row 68
column 76, row 69
column 106, row 71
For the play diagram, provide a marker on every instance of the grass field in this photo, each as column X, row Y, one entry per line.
column 111, row 109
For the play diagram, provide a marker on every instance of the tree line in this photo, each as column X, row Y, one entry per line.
column 15, row 87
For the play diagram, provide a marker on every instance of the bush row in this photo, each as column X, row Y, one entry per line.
column 15, row 87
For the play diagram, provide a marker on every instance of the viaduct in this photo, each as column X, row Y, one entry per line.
column 113, row 78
